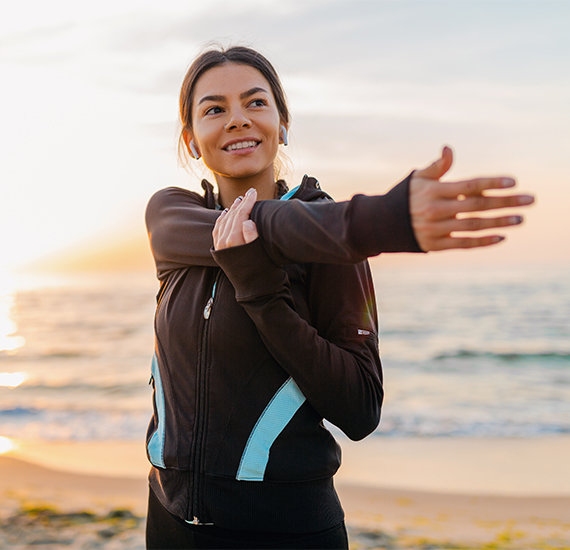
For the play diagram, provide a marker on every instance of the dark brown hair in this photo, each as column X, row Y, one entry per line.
column 213, row 58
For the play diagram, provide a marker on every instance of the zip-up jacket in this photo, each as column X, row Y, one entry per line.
column 257, row 344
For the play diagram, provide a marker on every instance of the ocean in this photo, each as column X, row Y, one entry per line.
column 465, row 353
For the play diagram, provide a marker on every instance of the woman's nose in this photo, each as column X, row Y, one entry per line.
column 238, row 119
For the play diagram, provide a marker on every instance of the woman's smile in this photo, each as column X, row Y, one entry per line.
column 242, row 146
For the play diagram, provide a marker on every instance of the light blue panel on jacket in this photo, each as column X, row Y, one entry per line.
column 156, row 444
column 289, row 194
column 278, row 413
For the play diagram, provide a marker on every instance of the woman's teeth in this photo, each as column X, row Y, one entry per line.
column 241, row 145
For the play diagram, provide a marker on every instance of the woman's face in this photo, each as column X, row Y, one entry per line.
column 235, row 121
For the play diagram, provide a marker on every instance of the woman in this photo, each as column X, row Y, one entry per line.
column 266, row 319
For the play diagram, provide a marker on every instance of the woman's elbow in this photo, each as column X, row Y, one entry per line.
column 365, row 422
column 363, row 429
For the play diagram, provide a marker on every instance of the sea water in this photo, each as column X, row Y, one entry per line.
column 465, row 353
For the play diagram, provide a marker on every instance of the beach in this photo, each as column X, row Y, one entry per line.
column 473, row 449
column 93, row 502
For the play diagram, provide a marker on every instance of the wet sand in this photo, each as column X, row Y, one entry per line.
column 55, row 505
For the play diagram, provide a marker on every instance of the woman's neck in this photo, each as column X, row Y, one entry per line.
column 232, row 188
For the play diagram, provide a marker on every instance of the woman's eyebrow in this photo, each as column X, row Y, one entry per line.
column 243, row 95
column 212, row 98
column 252, row 91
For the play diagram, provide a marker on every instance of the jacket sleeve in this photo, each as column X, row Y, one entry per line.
column 335, row 363
column 180, row 228
column 337, row 232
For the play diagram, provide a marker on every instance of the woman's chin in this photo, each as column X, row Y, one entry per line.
column 240, row 173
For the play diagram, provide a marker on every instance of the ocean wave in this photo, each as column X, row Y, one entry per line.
column 54, row 387
column 26, row 355
column 415, row 426
column 502, row 355
column 70, row 425
column 67, row 424
column 19, row 411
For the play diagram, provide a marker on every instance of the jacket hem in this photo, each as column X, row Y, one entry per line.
column 288, row 507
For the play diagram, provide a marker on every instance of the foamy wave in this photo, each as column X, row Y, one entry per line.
column 504, row 356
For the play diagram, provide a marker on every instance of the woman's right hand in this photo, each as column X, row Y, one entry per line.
column 436, row 207
column 233, row 226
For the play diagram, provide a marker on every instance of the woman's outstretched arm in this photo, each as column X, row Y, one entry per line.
column 180, row 228
column 418, row 214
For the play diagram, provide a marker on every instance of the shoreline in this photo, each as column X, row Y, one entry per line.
column 111, row 495
column 51, row 503
column 476, row 466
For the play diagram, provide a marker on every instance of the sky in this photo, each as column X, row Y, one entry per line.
column 88, row 108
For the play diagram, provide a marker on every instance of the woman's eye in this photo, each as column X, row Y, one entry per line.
column 213, row 111
column 258, row 103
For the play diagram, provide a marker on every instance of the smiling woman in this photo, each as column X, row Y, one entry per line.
column 266, row 321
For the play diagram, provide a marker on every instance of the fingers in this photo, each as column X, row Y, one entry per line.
column 476, row 186
column 436, row 208
column 438, row 168
column 228, row 229
column 446, row 227
column 467, row 242
column 249, row 230
column 481, row 203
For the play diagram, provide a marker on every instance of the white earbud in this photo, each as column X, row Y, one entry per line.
column 193, row 149
column 284, row 134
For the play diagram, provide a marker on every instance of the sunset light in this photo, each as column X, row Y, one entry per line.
column 350, row 328
column 6, row 445
column 362, row 117
column 9, row 341
column 12, row 379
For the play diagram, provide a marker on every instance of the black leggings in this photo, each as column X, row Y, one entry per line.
column 165, row 531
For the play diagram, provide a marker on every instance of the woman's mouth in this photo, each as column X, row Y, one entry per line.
column 244, row 146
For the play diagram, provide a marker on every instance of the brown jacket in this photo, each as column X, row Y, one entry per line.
column 256, row 344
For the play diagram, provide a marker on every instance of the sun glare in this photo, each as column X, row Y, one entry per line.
column 6, row 445
column 12, row 379
column 9, row 341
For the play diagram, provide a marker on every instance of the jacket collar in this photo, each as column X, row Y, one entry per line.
column 308, row 190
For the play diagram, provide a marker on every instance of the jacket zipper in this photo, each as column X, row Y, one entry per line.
column 201, row 398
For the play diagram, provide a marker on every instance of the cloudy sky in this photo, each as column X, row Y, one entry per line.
column 89, row 104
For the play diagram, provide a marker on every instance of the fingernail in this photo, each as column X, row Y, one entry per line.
column 526, row 199
column 508, row 182
column 249, row 191
column 515, row 219
column 238, row 199
column 498, row 239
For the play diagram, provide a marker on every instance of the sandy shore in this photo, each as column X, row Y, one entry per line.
column 103, row 506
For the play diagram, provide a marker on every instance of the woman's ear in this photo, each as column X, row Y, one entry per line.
column 283, row 138
column 192, row 147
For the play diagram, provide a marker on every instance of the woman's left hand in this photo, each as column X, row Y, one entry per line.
column 438, row 209
column 233, row 227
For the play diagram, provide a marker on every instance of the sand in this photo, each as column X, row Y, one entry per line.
column 47, row 502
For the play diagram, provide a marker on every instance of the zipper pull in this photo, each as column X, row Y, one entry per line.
column 209, row 303
column 208, row 307
column 196, row 521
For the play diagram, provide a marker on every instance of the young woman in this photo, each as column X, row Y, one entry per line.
column 266, row 318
